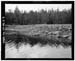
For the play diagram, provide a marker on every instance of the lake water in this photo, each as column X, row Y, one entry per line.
column 26, row 51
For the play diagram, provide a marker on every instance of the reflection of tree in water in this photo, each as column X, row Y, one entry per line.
column 19, row 39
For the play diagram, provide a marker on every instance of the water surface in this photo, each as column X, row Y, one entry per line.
column 37, row 51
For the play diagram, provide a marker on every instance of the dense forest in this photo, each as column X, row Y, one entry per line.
column 42, row 17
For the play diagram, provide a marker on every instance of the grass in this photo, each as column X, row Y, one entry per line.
column 53, row 35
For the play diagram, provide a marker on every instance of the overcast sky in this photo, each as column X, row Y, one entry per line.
column 36, row 7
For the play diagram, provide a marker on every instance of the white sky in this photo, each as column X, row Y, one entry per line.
column 36, row 7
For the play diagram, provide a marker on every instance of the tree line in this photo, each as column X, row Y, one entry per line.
column 42, row 17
